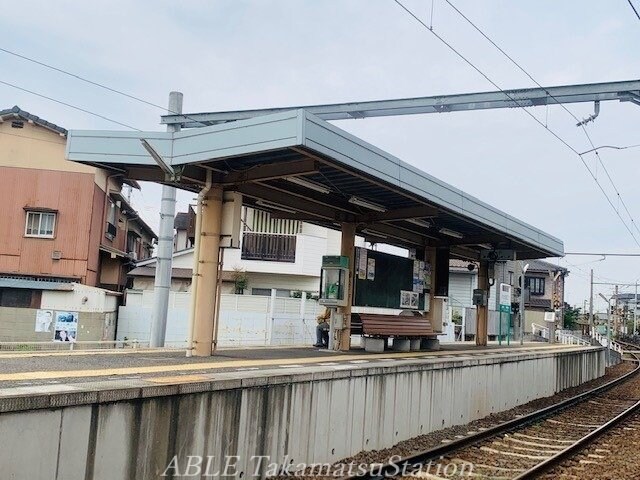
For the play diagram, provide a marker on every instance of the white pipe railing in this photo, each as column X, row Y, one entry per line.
column 562, row 336
column 603, row 340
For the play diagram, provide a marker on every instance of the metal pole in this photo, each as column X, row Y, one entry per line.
column 609, row 330
column 522, row 272
column 635, row 310
column 591, row 305
column 616, row 316
column 162, row 284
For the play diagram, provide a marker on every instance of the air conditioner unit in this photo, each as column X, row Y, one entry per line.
column 56, row 255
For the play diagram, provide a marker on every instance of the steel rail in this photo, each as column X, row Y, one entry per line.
column 582, row 443
column 389, row 470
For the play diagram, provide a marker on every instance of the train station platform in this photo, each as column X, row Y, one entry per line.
column 127, row 413
column 36, row 369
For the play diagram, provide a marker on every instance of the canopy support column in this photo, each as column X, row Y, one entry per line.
column 482, row 311
column 208, row 258
column 347, row 249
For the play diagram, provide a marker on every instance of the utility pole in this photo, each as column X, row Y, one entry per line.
column 591, row 305
column 616, row 317
column 164, row 257
column 608, row 300
column 635, row 311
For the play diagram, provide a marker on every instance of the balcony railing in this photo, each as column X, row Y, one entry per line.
column 269, row 247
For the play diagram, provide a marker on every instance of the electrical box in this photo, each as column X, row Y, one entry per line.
column 338, row 321
column 334, row 279
column 480, row 297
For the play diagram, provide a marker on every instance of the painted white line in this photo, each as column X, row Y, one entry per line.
column 328, row 364
column 358, row 361
column 244, row 369
column 295, row 365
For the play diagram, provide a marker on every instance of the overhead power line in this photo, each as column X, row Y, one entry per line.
column 634, row 9
column 75, row 107
column 31, row 138
column 89, row 81
column 558, row 137
column 580, row 123
column 82, row 79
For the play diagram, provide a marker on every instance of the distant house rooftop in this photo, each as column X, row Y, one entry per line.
column 17, row 113
column 542, row 266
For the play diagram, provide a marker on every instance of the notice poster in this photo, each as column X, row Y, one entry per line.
column 416, row 276
column 66, row 328
column 362, row 264
column 371, row 269
column 44, row 319
column 409, row 300
column 427, row 276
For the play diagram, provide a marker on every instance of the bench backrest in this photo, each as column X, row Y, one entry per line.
column 396, row 325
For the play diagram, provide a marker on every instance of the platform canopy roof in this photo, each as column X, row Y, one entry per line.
column 298, row 166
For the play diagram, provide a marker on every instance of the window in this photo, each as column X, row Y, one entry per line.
column 511, row 278
column 40, row 224
column 535, row 285
column 20, row 298
column 280, row 293
column 110, row 231
column 261, row 291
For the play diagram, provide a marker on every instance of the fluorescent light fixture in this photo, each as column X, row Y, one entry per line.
column 366, row 204
column 486, row 246
column 450, row 233
column 418, row 222
column 273, row 206
column 309, row 184
column 373, row 233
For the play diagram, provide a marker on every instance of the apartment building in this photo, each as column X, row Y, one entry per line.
column 68, row 237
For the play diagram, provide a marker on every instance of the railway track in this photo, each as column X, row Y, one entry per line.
column 529, row 446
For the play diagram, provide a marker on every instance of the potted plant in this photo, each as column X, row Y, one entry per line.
column 240, row 281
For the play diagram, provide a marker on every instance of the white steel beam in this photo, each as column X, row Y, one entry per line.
column 523, row 97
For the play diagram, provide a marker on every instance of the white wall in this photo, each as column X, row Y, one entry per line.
column 97, row 299
column 245, row 320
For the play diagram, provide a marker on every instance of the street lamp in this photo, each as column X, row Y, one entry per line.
column 608, row 300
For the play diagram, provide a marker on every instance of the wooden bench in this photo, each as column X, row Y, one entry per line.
column 391, row 325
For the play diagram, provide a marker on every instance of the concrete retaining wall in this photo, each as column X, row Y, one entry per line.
column 318, row 414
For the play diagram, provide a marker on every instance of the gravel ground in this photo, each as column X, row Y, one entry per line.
column 433, row 439
column 507, row 455
column 613, row 456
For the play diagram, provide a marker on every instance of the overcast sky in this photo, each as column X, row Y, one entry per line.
column 229, row 55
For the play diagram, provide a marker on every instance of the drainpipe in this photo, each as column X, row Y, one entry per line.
column 196, row 262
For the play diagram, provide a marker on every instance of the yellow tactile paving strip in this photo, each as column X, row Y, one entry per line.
column 236, row 364
column 66, row 353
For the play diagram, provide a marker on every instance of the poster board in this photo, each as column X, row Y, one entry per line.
column 386, row 281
